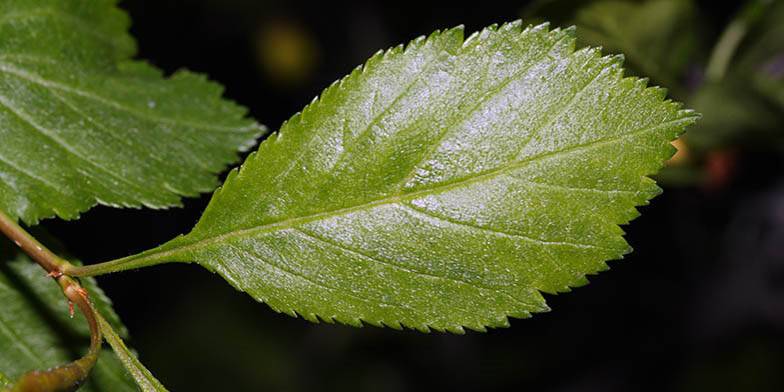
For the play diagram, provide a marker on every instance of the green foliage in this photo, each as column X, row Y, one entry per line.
column 82, row 124
column 736, row 85
column 36, row 331
column 657, row 37
column 442, row 185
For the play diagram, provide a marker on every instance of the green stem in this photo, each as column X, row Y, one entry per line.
column 71, row 376
column 48, row 260
column 732, row 36
column 123, row 264
column 140, row 374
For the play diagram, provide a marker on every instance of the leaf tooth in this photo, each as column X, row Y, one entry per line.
column 571, row 31
column 611, row 60
column 493, row 28
column 541, row 28
column 456, row 329
column 335, row 87
column 643, row 83
column 689, row 113
column 582, row 280
column 352, row 321
column 380, row 56
column 312, row 317
column 394, row 324
column 501, row 322
column 513, row 26
column 416, row 43
column 593, row 54
column 470, row 40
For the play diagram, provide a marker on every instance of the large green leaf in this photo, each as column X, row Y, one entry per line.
column 81, row 124
column 36, row 332
column 442, row 185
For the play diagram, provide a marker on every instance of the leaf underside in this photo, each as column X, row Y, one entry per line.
column 442, row 185
column 82, row 124
column 36, row 332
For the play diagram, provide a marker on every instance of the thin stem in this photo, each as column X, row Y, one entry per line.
column 140, row 374
column 123, row 264
column 731, row 37
column 72, row 375
column 48, row 260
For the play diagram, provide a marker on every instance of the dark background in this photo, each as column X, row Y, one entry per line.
column 698, row 305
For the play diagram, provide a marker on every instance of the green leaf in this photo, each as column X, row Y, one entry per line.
column 36, row 331
column 442, row 185
column 82, row 124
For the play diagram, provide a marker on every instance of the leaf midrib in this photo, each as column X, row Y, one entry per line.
column 157, row 255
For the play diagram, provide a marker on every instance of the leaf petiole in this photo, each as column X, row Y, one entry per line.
column 123, row 264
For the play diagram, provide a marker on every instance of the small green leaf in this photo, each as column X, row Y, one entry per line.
column 36, row 332
column 81, row 124
column 442, row 185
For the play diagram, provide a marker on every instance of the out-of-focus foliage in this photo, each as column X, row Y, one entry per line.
column 658, row 38
column 735, row 79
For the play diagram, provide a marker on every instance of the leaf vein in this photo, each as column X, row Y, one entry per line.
column 467, row 115
column 391, row 265
column 19, row 342
column 497, row 232
column 64, row 146
column 309, row 280
column 552, row 119
column 577, row 189
column 27, row 173
column 8, row 68
column 406, row 269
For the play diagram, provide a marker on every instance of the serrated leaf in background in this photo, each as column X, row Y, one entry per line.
column 81, row 124
column 36, row 331
column 442, row 185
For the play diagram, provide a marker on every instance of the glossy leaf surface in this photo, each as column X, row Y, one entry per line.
column 442, row 185
column 36, row 331
column 82, row 124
